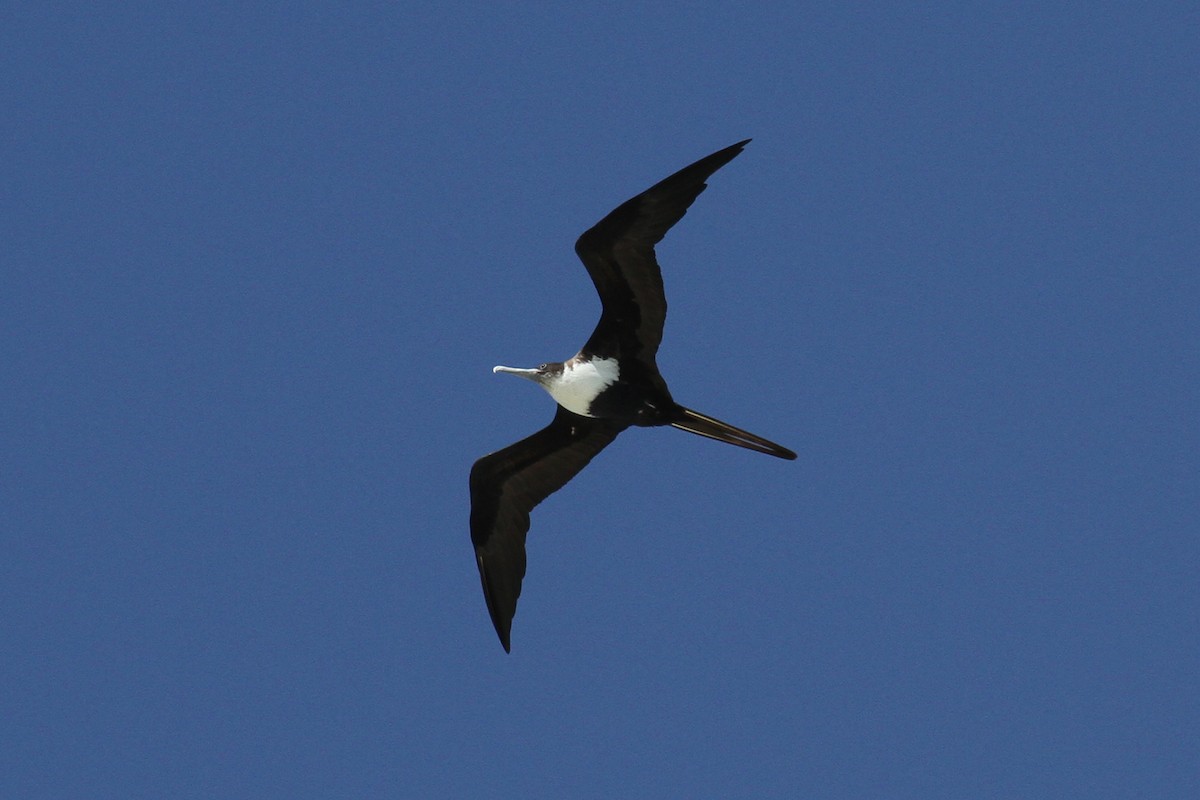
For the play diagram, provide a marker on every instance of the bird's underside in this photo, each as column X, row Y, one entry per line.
column 611, row 384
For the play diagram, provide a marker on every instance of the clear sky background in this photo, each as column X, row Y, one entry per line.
column 256, row 264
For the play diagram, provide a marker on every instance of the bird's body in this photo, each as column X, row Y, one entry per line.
column 611, row 384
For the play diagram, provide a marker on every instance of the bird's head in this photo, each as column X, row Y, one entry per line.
column 538, row 375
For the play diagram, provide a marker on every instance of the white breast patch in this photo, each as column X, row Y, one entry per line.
column 579, row 383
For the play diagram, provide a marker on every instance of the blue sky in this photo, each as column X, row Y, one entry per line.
column 258, row 264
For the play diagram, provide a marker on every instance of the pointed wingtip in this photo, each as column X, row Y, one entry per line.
column 734, row 150
column 503, row 628
column 504, row 633
column 501, row 614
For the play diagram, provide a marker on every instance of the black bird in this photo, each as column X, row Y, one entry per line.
column 612, row 383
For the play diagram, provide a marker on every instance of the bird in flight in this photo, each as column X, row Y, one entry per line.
column 610, row 384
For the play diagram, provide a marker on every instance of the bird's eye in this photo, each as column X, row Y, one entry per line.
column 542, row 367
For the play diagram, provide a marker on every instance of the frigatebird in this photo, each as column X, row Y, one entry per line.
column 609, row 385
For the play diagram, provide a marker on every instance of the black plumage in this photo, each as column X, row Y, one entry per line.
column 618, row 253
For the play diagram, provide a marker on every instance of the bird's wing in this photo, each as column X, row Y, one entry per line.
column 618, row 252
column 508, row 484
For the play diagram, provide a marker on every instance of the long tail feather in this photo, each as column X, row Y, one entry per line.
column 695, row 422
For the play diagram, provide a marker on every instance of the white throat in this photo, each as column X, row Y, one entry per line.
column 579, row 383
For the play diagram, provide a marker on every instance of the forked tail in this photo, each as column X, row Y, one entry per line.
column 695, row 422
